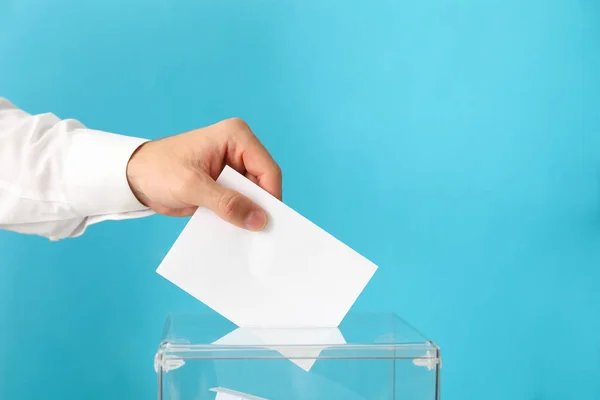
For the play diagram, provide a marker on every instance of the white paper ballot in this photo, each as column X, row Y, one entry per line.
column 301, row 346
column 291, row 275
column 228, row 394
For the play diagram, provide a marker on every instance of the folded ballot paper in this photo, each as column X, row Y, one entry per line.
column 228, row 394
column 291, row 275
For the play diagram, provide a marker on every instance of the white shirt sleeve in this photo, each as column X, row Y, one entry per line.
column 57, row 177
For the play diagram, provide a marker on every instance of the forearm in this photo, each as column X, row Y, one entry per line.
column 57, row 177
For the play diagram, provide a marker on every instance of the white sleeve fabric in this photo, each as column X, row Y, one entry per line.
column 57, row 177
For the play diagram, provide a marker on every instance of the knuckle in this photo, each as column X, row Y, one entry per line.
column 277, row 171
column 237, row 124
column 228, row 204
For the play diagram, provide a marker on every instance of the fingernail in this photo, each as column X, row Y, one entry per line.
column 256, row 220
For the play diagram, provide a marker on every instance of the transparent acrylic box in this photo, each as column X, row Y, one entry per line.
column 370, row 356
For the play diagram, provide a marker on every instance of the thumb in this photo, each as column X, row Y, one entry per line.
column 234, row 207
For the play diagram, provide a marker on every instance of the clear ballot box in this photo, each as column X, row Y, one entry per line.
column 368, row 357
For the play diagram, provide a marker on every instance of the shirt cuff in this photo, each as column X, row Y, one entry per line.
column 96, row 173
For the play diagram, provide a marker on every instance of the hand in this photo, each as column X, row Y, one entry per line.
column 176, row 175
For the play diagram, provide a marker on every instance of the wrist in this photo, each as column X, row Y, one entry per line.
column 135, row 175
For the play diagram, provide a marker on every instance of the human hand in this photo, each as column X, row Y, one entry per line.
column 176, row 175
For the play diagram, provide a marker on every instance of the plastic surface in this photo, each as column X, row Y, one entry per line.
column 370, row 356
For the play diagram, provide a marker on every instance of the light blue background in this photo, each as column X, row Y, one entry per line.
column 455, row 143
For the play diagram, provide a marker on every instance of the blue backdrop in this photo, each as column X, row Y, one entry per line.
column 455, row 143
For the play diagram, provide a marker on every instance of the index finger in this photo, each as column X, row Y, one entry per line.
column 258, row 162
